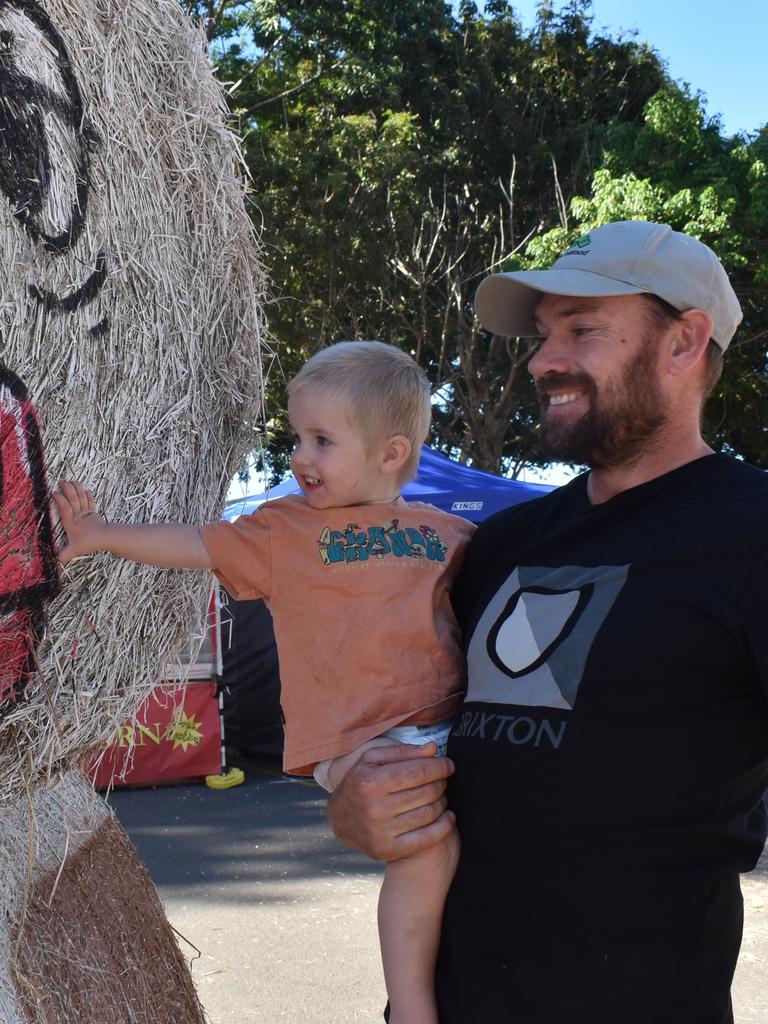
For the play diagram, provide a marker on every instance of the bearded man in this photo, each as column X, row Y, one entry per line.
column 612, row 753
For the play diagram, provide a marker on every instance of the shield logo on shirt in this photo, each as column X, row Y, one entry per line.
column 532, row 642
column 534, row 621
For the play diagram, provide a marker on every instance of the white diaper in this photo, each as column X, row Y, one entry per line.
column 416, row 735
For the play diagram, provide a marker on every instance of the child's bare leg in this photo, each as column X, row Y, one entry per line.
column 410, row 916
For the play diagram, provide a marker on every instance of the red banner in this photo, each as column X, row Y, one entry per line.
column 175, row 735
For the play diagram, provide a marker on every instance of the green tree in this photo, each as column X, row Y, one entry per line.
column 678, row 168
column 400, row 150
column 520, row 130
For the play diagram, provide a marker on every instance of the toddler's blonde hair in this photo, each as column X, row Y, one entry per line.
column 383, row 390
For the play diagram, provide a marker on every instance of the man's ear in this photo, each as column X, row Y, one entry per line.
column 396, row 453
column 689, row 341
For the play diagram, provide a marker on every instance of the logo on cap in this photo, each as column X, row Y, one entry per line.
column 578, row 247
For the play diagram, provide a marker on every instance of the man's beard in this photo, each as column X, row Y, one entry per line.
column 620, row 425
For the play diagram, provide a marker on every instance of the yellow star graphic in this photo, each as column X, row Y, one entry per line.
column 183, row 731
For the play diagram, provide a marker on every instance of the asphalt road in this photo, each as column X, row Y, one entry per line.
column 279, row 921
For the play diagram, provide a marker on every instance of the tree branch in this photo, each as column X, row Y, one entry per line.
column 295, row 88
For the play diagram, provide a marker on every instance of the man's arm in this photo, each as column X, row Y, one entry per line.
column 391, row 803
column 170, row 546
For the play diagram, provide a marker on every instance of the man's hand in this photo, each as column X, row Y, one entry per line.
column 82, row 523
column 391, row 803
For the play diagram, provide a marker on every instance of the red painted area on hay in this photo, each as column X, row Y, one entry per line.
column 21, row 559
column 28, row 571
column 16, row 645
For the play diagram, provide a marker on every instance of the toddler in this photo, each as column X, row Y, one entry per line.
column 358, row 583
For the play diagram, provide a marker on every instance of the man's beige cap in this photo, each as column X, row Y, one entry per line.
column 628, row 257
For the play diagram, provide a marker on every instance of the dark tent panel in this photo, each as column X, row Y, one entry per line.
column 251, row 696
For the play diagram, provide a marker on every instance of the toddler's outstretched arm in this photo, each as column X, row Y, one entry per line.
column 171, row 545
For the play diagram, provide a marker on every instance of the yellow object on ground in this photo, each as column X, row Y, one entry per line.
column 231, row 777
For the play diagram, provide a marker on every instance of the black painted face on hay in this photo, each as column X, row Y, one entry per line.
column 27, row 554
column 30, row 111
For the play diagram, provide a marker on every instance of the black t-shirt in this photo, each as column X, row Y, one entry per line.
column 612, row 753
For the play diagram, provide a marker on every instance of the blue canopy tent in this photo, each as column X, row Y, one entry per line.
column 251, row 692
column 471, row 493
column 448, row 485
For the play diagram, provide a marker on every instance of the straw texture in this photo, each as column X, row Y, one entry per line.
column 130, row 306
column 84, row 938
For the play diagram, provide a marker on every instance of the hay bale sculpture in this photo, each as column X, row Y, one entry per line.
column 130, row 315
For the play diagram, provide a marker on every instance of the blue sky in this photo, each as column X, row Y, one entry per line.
column 720, row 49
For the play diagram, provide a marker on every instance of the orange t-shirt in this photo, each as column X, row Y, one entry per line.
column 365, row 632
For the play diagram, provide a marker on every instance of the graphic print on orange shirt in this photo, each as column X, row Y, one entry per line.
column 353, row 544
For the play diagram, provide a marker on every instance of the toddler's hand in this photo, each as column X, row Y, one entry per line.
column 81, row 521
